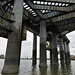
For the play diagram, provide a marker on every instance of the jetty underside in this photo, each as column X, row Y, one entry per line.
column 51, row 20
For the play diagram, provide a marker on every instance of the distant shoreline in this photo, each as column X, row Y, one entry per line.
column 31, row 59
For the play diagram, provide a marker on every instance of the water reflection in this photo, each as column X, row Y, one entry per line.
column 43, row 71
column 34, row 71
column 66, row 69
column 27, row 69
column 69, row 70
column 9, row 74
column 55, row 70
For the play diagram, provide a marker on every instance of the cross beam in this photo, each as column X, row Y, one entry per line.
column 53, row 8
column 63, row 17
column 52, row 14
column 69, row 27
column 25, row 12
column 6, row 2
column 63, row 1
column 44, row 16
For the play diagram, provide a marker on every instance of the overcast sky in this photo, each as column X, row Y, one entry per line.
column 71, row 37
column 27, row 46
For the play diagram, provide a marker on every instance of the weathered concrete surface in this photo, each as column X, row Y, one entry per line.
column 67, row 60
column 12, row 53
column 66, row 1
column 51, row 52
column 34, row 50
column 61, row 50
column 68, row 51
column 13, row 46
column 54, row 48
column 51, row 57
column 43, row 56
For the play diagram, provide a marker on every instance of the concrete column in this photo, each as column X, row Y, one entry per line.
column 61, row 50
column 13, row 47
column 23, row 37
column 66, row 52
column 12, row 53
column 54, row 48
column 34, row 56
column 51, row 54
column 43, row 56
column 20, row 50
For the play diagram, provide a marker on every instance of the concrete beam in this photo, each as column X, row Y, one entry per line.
column 54, row 8
column 27, row 14
column 32, row 6
column 65, row 26
column 2, row 10
column 43, row 16
column 69, row 27
column 63, row 1
column 50, row 8
column 5, row 2
column 3, row 33
column 65, row 22
column 64, row 32
column 52, row 14
column 63, row 17
column 8, row 9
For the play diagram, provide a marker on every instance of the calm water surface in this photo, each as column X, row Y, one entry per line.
column 27, row 69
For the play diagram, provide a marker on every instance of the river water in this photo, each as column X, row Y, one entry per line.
column 27, row 69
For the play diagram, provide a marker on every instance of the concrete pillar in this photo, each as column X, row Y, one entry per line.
column 43, row 56
column 66, row 53
column 19, row 51
column 23, row 37
column 51, row 56
column 61, row 50
column 12, row 53
column 51, row 53
column 34, row 56
column 54, row 48
column 13, row 47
